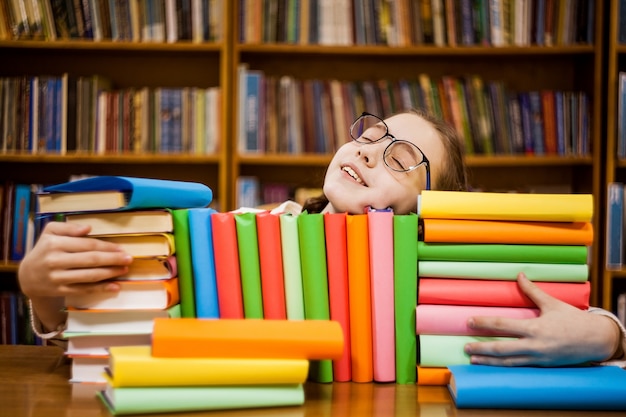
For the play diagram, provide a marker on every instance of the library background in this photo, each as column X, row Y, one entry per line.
column 253, row 97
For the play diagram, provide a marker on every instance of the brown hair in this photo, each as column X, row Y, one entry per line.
column 453, row 175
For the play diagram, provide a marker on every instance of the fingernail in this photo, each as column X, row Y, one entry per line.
column 112, row 287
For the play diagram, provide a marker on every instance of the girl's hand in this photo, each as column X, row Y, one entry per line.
column 561, row 335
column 65, row 261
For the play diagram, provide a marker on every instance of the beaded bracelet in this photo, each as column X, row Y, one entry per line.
column 36, row 325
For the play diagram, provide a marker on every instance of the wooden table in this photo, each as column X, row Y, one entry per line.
column 34, row 383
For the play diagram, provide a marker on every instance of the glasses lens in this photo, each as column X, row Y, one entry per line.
column 403, row 156
column 368, row 129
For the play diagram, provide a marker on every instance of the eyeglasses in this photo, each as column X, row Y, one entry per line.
column 400, row 155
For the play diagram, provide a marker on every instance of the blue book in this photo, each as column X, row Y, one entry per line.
column 538, row 388
column 21, row 210
column 122, row 193
column 203, row 262
column 614, row 225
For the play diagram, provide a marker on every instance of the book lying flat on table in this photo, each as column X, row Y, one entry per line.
column 90, row 344
column 122, row 193
column 115, row 321
column 134, row 366
column 566, row 388
column 138, row 295
column 146, row 245
column 151, row 268
column 148, row 400
column 136, row 221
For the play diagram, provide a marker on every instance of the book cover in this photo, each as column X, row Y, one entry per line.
column 444, row 350
column 315, row 281
column 405, row 256
column 504, row 271
column 138, row 295
column 292, row 269
column 452, row 319
column 227, row 272
column 247, row 338
column 360, row 298
column 183, row 262
column 123, row 193
column 135, row 221
column 140, row 400
column 338, row 291
column 203, row 262
column 380, row 237
column 494, row 252
column 135, row 366
column 476, row 205
column 563, row 388
column 497, row 293
column 248, row 245
column 502, row 231
column 144, row 245
column 271, row 265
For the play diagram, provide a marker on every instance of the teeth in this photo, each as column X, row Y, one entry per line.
column 353, row 174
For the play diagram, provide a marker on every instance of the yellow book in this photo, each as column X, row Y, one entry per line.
column 144, row 245
column 134, row 366
column 473, row 205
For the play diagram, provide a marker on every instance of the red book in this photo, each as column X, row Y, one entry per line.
column 496, row 293
column 271, row 264
column 227, row 272
column 337, row 264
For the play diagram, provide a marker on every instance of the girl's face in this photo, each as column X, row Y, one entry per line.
column 357, row 176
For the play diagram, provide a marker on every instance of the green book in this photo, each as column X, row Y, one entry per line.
column 445, row 350
column 292, row 269
column 551, row 254
column 249, row 265
column 504, row 271
column 183, row 262
column 405, row 256
column 315, row 282
column 144, row 400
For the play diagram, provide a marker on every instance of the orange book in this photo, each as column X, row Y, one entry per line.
column 271, row 265
column 247, row 338
column 487, row 231
column 360, row 298
column 227, row 272
column 432, row 375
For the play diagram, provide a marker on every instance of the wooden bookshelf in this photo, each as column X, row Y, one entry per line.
column 565, row 68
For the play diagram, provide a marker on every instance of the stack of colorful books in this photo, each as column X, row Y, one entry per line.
column 202, row 364
column 472, row 248
column 139, row 215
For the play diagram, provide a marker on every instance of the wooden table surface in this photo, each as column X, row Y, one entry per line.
column 34, row 383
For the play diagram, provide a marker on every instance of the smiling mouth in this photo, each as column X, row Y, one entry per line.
column 354, row 175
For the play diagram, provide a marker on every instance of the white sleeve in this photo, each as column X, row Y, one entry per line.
column 621, row 361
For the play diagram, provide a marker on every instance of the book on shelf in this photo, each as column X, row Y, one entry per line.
column 138, row 295
column 135, row 221
column 541, row 388
column 20, row 213
column 247, row 338
column 497, row 293
column 147, row 400
column 615, row 225
column 477, row 205
column 504, row 270
column 502, row 252
column 452, row 319
column 117, row 321
column 145, row 245
column 122, row 193
column 135, row 366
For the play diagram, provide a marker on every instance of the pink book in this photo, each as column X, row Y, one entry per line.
column 227, row 272
column 337, row 264
column 380, row 233
column 452, row 319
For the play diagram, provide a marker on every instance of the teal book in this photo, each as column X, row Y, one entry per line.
column 405, row 255
column 494, row 252
column 150, row 400
column 315, row 281
column 203, row 263
column 564, row 388
column 183, row 262
column 248, row 244
column 122, row 193
column 506, row 271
